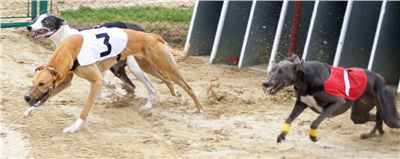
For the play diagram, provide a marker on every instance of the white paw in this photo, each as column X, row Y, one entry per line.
column 74, row 127
column 148, row 106
column 201, row 111
column 104, row 95
column 178, row 94
column 29, row 112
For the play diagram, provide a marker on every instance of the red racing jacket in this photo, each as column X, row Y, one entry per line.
column 346, row 82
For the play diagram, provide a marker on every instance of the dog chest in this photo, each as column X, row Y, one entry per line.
column 311, row 102
column 99, row 44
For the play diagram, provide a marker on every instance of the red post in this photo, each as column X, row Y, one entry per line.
column 295, row 28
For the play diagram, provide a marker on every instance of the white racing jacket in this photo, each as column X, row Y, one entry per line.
column 101, row 43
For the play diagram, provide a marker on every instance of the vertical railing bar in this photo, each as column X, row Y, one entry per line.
column 278, row 35
column 377, row 34
column 219, row 30
column 310, row 30
column 246, row 36
column 343, row 33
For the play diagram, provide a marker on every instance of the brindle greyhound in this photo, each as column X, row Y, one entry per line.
column 306, row 76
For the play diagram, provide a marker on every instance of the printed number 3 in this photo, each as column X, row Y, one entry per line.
column 105, row 42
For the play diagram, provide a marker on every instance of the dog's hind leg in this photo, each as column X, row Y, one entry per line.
column 178, row 79
column 92, row 74
column 360, row 114
column 119, row 71
column 139, row 74
column 360, row 111
column 378, row 126
column 168, row 67
column 150, row 69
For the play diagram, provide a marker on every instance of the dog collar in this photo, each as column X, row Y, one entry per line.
column 47, row 36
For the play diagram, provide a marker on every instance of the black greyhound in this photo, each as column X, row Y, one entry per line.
column 308, row 80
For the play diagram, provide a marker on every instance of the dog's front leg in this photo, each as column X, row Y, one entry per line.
column 93, row 75
column 297, row 110
column 332, row 110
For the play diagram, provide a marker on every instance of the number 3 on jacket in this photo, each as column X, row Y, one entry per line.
column 101, row 43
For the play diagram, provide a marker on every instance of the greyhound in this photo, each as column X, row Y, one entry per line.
column 310, row 80
column 91, row 52
column 56, row 29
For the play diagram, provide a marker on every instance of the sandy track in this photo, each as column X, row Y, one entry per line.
column 240, row 121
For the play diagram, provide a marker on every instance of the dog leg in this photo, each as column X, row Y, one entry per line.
column 104, row 94
column 139, row 74
column 119, row 71
column 296, row 111
column 378, row 126
column 178, row 79
column 168, row 67
column 92, row 74
column 150, row 69
column 360, row 113
column 332, row 110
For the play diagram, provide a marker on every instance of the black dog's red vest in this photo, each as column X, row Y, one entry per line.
column 346, row 82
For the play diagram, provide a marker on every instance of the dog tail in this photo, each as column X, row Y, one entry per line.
column 387, row 103
column 181, row 54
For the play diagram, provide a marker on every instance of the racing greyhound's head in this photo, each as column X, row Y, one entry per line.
column 43, row 84
column 282, row 75
column 44, row 25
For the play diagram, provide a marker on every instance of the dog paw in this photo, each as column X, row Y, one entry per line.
column 313, row 138
column 74, row 127
column 105, row 95
column 70, row 130
column 148, row 106
column 380, row 130
column 178, row 94
column 281, row 137
column 366, row 135
column 29, row 112
column 201, row 110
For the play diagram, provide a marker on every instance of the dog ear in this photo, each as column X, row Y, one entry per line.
column 39, row 68
column 53, row 72
column 300, row 68
column 294, row 59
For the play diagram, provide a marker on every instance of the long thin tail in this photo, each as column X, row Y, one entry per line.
column 180, row 53
column 387, row 104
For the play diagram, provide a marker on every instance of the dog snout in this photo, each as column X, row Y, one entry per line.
column 266, row 83
column 29, row 28
column 27, row 98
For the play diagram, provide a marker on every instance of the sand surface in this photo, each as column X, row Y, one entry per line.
column 239, row 122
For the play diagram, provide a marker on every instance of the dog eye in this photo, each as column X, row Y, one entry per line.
column 41, row 84
column 45, row 21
